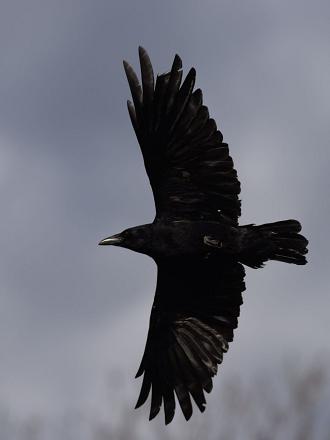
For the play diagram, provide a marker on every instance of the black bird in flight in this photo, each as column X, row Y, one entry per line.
column 195, row 239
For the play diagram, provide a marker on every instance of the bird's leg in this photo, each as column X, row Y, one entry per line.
column 209, row 241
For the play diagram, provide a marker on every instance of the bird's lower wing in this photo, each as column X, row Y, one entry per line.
column 195, row 311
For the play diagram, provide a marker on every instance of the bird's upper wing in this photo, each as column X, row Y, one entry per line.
column 189, row 167
column 195, row 311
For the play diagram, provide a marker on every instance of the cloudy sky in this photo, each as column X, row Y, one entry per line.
column 71, row 173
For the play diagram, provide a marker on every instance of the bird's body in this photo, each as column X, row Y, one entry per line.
column 181, row 238
column 195, row 239
column 249, row 244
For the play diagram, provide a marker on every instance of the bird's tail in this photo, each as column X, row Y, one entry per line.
column 279, row 241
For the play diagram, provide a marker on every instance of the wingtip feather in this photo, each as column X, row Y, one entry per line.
column 177, row 62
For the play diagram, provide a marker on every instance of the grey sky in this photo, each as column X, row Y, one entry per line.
column 71, row 173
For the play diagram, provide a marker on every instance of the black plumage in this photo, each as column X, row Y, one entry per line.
column 194, row 239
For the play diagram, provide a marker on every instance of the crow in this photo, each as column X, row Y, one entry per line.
column 195, row 239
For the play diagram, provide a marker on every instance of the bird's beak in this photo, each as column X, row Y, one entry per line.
column 114, row 240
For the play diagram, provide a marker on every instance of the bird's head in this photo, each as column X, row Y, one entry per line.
column 137, row 239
